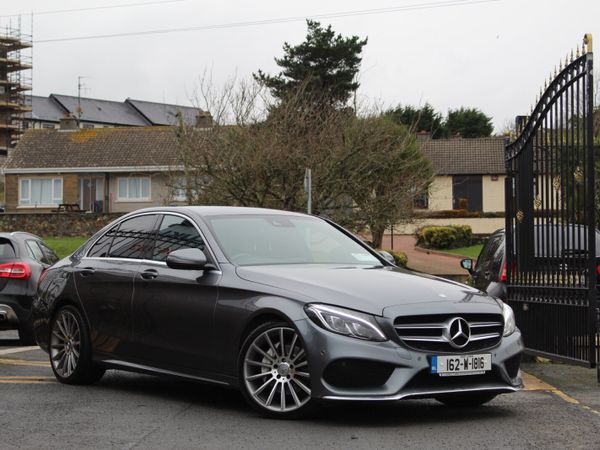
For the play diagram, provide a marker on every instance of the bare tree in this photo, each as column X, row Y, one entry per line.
column 366, row 170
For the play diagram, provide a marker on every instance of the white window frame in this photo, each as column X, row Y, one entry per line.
column 134, row 199
column 180, row 186
column 56, row 200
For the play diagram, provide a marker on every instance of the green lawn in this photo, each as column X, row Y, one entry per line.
column 64, row 246
column 470, row 252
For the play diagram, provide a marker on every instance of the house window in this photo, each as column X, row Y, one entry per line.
column 421, row 201
column 134, row 189
column 48, row 125
column 467, row 192
column 40, row 191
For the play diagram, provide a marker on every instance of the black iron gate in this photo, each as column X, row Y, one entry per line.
column 551, row 237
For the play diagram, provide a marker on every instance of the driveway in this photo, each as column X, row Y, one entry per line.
column 428, row 262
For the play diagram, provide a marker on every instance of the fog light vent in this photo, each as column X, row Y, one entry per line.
column 357, row 373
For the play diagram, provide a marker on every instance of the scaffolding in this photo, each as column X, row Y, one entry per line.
column 15, row 82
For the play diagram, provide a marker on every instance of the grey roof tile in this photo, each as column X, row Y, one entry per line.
column 164, row 114
column 101, row 111
column 45, row 109
column 95, row 147
column 478, row 156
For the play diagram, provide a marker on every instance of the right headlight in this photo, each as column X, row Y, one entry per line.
column 509, row 320
column 345, row 321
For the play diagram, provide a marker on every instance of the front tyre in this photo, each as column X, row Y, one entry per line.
column 468, row 400
column 274, row 372
column 70, row 348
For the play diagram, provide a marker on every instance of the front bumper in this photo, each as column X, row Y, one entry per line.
column 408, row 369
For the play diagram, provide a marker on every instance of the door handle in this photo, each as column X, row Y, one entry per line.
column 149, row 274
column 486, row 274
column 86, row 271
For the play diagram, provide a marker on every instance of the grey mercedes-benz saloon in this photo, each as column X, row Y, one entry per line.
column 290, row 308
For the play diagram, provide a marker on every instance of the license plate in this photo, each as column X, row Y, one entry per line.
column 454, row 365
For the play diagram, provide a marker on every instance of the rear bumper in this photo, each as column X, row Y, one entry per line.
column 14, row 309
column 8, row 317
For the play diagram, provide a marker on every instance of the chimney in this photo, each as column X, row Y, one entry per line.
column 204, row 120
column 68, row 123
column 423, row 136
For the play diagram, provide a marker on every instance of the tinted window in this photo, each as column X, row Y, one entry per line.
column 497, row 260
column 50, row 256
column 175, row 233
column 489, row 250
column 134, row 238
column 35, row 251
column 6, row 250
column 102, row 246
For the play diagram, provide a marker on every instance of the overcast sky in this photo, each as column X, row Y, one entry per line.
column 492, row 55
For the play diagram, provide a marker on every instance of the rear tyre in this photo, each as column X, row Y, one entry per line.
column 465, row 400
column 26, row 335
column 70, row 348
column 274, row 372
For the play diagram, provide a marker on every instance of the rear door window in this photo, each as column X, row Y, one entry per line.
column 134, row 238
column 35, row 251
column 49, row 255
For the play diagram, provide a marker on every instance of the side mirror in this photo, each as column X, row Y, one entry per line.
column 387, row 256
column 187, row 259
column 467, row 264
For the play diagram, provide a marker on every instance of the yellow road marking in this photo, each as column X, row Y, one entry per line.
column 535, row 384
column 19, row 350
column 23, row 362
column 26, row 379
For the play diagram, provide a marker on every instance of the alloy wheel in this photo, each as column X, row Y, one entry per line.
column 65, row 344
column 276, row 372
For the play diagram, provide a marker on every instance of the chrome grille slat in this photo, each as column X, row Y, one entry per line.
column 416, row 325
column 485, row 324
column 429, row 333
column 482, row 337
column 423, row 339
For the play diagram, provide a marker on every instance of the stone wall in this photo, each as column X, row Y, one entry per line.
column 55, row 224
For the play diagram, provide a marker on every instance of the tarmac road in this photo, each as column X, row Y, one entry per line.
column 127, row 411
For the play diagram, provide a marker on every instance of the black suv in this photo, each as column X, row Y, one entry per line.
column 23, row 259
column 489, row 273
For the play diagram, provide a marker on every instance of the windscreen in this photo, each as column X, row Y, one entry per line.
column 280, row 239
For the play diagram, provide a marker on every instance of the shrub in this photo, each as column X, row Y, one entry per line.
column 451, row 236
column 400, row 257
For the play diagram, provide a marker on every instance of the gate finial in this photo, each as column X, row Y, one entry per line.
column 587, row 40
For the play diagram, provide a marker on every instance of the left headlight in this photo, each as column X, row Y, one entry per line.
column 345, row 321
column 509, row 320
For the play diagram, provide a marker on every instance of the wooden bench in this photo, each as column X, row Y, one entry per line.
column 68, row 207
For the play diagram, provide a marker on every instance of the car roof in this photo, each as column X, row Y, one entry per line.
column 222, row 210
column 22, row 234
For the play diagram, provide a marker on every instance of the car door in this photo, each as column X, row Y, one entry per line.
column 104, row 282
column 483, row 273
column 174, row 308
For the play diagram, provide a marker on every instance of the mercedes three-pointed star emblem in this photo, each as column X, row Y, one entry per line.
column 458, row 332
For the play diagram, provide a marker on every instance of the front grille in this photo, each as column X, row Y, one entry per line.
column 431, row 332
